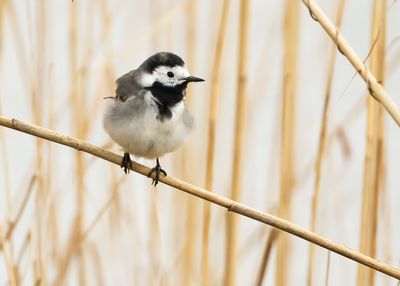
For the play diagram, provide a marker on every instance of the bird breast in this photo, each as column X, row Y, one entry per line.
column 135, row 125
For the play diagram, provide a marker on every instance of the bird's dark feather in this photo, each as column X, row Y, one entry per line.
column 161, row 59
column 167, row 97
column 127, row 86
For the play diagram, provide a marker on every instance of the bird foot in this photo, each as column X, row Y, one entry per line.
column 126, row 163
column 157, row 169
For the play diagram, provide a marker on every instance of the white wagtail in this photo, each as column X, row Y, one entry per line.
column 147, row 116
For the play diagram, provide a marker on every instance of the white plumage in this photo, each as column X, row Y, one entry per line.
column 145, row 135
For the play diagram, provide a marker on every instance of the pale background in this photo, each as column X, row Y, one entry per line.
column 154, row 237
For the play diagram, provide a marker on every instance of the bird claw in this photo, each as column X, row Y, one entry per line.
column 126, row 163
column 157, row 169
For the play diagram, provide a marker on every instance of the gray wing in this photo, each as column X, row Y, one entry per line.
column 127, row 86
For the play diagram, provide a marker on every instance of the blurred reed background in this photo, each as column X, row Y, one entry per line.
column 283, row 124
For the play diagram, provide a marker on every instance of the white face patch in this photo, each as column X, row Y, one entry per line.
column 168, row 76
column 147, row 79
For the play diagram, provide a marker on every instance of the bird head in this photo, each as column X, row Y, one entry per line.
column 166, row 69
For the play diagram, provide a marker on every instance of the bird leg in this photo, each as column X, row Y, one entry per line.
column 157, row 169
column 126, row 163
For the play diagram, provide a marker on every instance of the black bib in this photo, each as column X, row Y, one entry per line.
column 167, row 97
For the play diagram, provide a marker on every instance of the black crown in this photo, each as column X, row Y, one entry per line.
column 161, row 59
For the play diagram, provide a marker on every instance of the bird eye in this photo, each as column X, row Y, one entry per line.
column 170, row 74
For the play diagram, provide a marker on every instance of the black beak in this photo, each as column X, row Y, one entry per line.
column 193, row 79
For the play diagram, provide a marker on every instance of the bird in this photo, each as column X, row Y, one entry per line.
column 147, row 116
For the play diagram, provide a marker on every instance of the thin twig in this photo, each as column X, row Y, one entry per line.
column 233, row 206
column 376, row 89
column 15, row 221
column 99, row 215
column 322, row 144
column 328, row 266
column 266, row 255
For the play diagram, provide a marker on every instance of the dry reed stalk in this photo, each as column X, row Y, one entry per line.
column 16, row 32
column 109, row 86
column 237, row 168
column 229, row 204
column 9, row 201
column 99, row 215
column 15, row 221
column 12, row 275
column 373, row 155
column 5, row 166
column 22, row 250
column 98, row 268
column 155, row 245
column 49, row 114
column 189, row 154
column 114, row 203
column 191, row 31
column 380, row 174
column 322, row 142
column 376, row 89
column 190, row 241
column 82, row 128
column 287, row 175
column 37, row 86
column 51, row 222
column 37, row 94
column 116, row 208
column 267, row 253
column 328, row 264
column 70, row 251
column 212, row 122
column 78, row 110
column 109, row 83
column 53, row 231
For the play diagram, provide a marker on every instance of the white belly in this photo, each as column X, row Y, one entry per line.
column 148, row 137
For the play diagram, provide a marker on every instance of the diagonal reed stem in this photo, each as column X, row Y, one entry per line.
column 204, row 194
column 266, row 256
column 321, row 144
column 229, row 204
column 375, row 88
